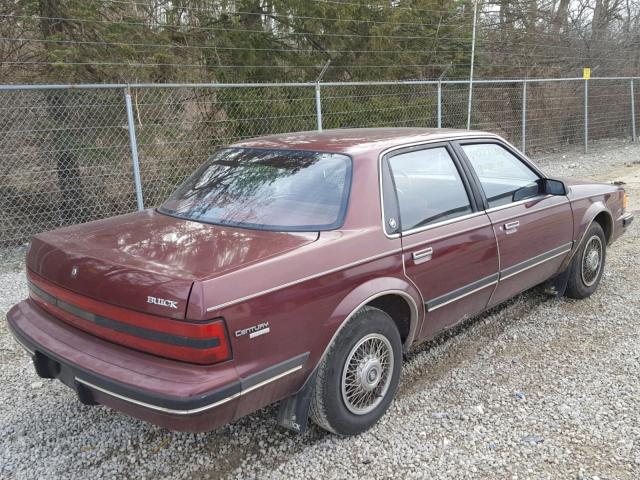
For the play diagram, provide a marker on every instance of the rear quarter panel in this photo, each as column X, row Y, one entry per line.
column 302, row 318
column 305, row 295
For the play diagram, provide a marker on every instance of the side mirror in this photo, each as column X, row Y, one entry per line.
column 526, row 192
column 543, row 186
column 553, row 187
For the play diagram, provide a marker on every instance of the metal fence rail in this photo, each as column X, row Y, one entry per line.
column 74, row 153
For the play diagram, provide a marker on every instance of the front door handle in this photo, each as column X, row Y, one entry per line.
column 424, row 255
column 511, row 227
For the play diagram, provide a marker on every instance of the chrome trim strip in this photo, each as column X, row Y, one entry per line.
column 304, row 279
column 496, row 278
column 537, row 260
column 193, row 410
column 537, row 198
column 462, row 292
column 546, row 207
column 443, row 223
column 588, row 197
column 534, row 265
column 463, row 295
column 412, row 327
column 268, row 380
column 495, row 235
column 446, row 137
column 451, row 234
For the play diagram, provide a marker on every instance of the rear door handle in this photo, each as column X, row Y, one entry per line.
column 425, row 254
column 511, row 227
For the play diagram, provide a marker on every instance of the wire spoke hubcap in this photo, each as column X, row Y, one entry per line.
column 366, row 375
column 591, row 261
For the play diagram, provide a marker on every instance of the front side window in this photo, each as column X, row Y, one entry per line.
column 429, row 187
column 503, row 176
column 282, row 190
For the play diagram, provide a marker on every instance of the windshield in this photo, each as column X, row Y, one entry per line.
column 283, row 190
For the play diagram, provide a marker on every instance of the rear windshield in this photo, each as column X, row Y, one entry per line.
column 283, row 190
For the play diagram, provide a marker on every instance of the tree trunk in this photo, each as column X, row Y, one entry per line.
column 560, row 18
column 72, row 206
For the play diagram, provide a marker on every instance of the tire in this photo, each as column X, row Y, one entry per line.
column 354, row 409
column 587, row 264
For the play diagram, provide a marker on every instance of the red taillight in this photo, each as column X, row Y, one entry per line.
column 218, row 330
column 203, row 343
column 214, row 331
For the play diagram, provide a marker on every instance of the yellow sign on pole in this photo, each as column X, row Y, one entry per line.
column 586, row 73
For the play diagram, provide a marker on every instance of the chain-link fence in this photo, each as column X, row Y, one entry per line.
column 71, row 154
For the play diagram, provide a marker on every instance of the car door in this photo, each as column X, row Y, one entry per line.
column 534, row 230
column 449, row 248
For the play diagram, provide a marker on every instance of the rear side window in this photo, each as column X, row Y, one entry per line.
column 429, row 187
column 503, row 176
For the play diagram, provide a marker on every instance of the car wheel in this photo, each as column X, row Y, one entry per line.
column 587, row 264
column 358, row 377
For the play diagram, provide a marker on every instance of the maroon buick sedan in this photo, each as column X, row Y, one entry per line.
column 298, row 268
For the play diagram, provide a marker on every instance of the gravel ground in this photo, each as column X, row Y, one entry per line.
column 537, row 388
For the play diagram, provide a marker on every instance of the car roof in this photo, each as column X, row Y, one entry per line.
column 356, row 140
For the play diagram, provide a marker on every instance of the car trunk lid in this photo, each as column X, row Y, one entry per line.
column 148, row 261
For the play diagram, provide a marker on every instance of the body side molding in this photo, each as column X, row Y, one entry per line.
column 496, row 278
column 462, row 292
column 535, row 261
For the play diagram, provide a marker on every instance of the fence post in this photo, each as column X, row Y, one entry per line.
column 439, row 107
column 524, row 116
column 586, row 116
column 318, row 107
column 134, row 149
column 633, row 114
column 473, row 55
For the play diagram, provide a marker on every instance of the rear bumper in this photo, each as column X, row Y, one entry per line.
column 168, row 393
